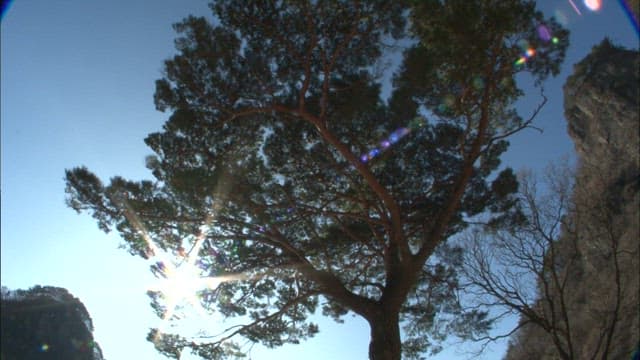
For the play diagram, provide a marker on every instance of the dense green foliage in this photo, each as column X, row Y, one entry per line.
column 310, row 184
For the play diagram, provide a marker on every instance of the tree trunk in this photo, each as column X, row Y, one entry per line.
column 385, row 336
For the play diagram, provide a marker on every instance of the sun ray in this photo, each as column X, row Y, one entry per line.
column 133, row 218
column 179, row 277
column 180, row 280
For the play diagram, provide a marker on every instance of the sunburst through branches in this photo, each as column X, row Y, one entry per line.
column 180, row 277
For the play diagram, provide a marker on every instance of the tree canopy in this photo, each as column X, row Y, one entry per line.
column 282, row 166
column 45, row 322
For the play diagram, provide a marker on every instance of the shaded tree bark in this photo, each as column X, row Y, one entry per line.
column 385, row 341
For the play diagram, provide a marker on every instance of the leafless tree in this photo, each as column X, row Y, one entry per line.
column 566, row 269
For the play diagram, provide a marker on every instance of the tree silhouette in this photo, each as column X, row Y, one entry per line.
column 45, row 322
column 291, row 174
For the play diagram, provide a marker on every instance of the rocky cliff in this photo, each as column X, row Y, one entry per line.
column 45, row 323
column 601, row 108
column 602, row 295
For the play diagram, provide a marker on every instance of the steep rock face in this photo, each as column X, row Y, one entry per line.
column 45, row 323
column 602, row 110
column 601, row 107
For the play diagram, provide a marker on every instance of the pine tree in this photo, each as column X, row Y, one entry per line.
column 309, row 189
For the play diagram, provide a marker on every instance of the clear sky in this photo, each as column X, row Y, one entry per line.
column 77, row 89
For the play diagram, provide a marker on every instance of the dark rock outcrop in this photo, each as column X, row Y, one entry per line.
column 601, row 107
column 602, row 103
column 45, row 323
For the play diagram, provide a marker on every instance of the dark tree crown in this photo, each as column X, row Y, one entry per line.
column 308, row 183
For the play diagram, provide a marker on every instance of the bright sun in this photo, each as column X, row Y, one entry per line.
column 180, row 279
column 181, row 284
column 184, row 280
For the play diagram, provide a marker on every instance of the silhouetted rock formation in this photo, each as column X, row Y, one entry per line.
column 45, row 323
column 602, row 109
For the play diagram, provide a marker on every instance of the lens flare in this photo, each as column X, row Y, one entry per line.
column 573, row 5
column 544, row 33
column 180, row 284
column 179, row 275
column 393, row 138
column 593, row 5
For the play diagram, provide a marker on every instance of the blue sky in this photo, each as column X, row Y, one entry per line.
column 77, row 82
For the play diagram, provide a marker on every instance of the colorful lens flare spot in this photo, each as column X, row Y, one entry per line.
column 593, row 5
column 394, row 137
column 44, row 347
column 528, row 54
column 544, row 33
column 555, row 40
